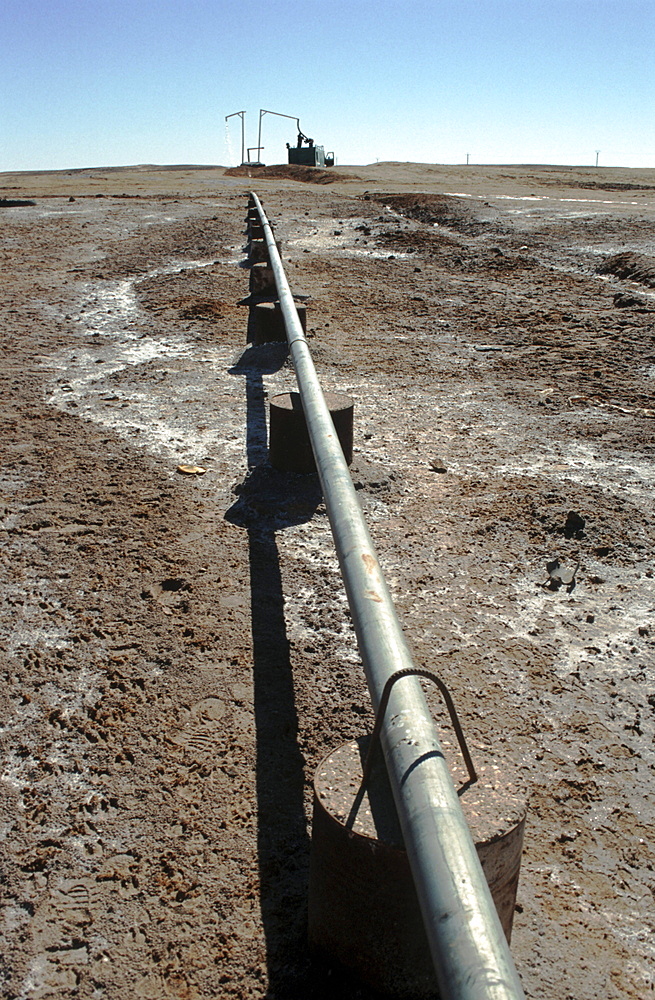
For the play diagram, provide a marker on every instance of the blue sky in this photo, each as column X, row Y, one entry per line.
column 111, row 82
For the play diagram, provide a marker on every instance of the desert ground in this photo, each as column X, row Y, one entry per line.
column 179, row 655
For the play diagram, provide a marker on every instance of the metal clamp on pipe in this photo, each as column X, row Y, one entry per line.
column 469, row 949
column 379, row 719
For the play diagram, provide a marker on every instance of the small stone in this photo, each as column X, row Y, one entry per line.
column 437, row 465
column 191, row 470
column 623, row 300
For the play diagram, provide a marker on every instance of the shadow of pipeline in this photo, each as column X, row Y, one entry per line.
column 269, row 501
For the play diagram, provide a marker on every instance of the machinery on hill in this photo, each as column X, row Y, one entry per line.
column 305, row 152
column 312, row 156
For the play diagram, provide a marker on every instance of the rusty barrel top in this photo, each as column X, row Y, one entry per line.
column 492, row 805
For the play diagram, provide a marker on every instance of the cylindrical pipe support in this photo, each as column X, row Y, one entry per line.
column 266, row 322
column 258, row 251
column 290, row 448
column 358, row 856
column 262, row 280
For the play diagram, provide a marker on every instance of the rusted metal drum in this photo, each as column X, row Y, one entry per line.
column 258, row 251
column 267, row 322
column 262, row 280
column 290, row 449
column 363, row 911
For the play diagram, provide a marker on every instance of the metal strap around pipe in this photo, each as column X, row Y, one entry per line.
column 470, row 953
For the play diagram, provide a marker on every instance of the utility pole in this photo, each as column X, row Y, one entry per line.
column 242, row 116
column 597, row 155
column 467, row 159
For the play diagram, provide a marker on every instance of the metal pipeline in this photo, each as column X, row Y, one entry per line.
column 469, row 949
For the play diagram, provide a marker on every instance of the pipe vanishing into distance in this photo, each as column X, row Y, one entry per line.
column 469, row 949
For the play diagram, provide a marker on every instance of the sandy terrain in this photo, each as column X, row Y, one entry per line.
column 179, row 655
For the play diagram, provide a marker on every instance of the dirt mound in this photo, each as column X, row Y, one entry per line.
column 426, row 240
column 290, row 171
column 606, row 186
column 635, row 266
column 209, row 309
column 464, row 215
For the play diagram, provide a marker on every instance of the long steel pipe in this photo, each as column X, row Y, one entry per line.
column 470, row 953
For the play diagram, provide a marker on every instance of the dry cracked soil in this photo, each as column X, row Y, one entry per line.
column 178, row 653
